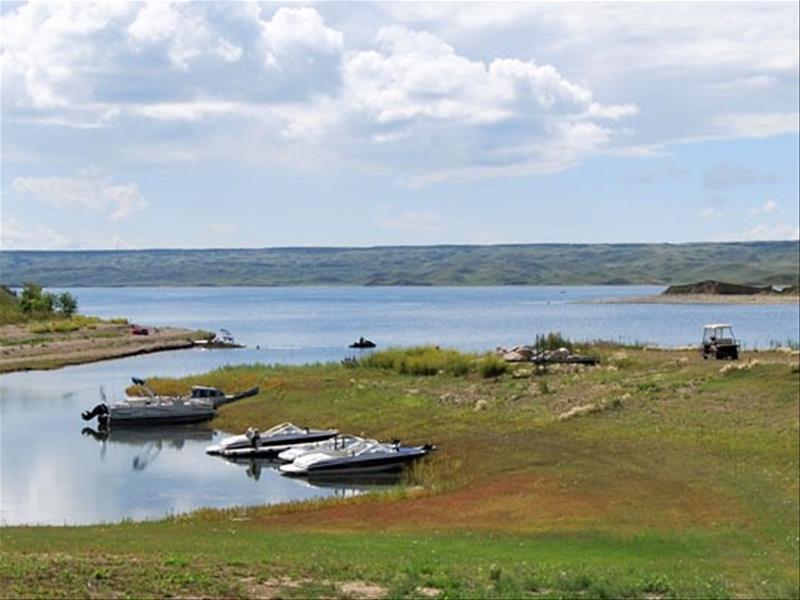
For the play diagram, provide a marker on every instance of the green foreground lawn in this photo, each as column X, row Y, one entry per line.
column 681, row 481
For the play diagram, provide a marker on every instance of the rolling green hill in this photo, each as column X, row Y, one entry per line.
column 753, row 263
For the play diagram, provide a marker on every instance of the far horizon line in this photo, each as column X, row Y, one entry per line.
column 398, row 246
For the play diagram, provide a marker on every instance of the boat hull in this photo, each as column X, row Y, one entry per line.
column 142, row 416
column 355, row 465
column 269, row 446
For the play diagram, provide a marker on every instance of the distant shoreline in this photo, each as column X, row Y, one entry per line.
column 755, row 299
column 757, row 263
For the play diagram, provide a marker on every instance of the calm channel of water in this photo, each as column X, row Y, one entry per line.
column 51, row 473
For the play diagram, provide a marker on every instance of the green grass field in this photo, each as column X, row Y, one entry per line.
column 682, row 481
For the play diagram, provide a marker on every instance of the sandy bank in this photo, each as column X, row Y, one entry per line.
column 702, row 299
column 21, row 350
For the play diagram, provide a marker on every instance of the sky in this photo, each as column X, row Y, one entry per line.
column 249, row 124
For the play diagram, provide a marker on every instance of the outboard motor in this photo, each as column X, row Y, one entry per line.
column 100, row 411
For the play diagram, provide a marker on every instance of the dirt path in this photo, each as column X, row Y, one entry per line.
column 22, row 350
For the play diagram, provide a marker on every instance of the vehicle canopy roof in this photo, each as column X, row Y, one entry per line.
column 718, row 326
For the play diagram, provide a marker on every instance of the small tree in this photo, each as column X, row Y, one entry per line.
column 66, row 304
column 34, row 300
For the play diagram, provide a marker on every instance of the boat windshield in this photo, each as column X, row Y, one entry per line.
column 347, row 441
column 284, row 428
column 372, row 447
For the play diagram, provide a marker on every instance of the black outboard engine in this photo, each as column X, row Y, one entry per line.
column 100, row 411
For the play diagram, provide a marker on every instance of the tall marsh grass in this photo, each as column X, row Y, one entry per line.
column 421, row 360
column 65, row 325
column 553, row 340
column 432, row 360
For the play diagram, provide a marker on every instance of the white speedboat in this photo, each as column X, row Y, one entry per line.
column 370, row 457
column 254, row 443
column 340, row 443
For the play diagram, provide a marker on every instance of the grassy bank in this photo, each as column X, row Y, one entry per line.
column 656, row 474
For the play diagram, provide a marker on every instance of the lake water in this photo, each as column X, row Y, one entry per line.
column 51, row 473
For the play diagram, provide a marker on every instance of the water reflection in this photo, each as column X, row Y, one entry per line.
column 253, row 466
column 150, row 440
column 342, row 485
column 364, row 481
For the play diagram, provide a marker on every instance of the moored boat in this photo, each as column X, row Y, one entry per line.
column 146, row 411
column 340, row 443
column 254, row 443
column 370, row 457
column 152, row 409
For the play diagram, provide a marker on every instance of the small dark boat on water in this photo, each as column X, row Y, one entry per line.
column 254, row 444
column 362, row 343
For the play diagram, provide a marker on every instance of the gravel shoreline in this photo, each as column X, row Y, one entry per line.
column 24, row 351
column 702, row 299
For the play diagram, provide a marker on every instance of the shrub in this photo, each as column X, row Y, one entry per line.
column 33, row 300
column 492, row 366
column 66, row 304
column 421, row 360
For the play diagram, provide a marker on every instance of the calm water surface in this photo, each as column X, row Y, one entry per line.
column 52, row 473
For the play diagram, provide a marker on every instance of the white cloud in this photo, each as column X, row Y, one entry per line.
column 87, row 191
column 435, row 92
column 17, row 235
column 769, row 207
column 416, row 75
column 182, row 29
column 291, row 29
column 782, row 231
column 709, row 212
column 47, row 47
column 755, row 125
